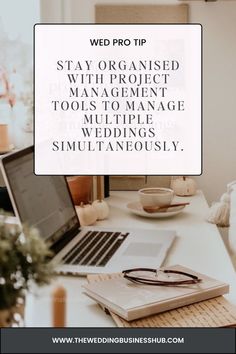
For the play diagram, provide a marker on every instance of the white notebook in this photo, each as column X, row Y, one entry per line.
column 132, row 301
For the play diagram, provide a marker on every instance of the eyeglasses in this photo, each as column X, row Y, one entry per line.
column 160, row 277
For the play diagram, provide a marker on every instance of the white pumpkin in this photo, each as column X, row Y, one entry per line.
column 184, row 186
column 87, row 214
column 102, row 209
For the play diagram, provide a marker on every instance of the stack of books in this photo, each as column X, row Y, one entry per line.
column 136, row 305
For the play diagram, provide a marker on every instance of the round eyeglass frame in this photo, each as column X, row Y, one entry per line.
column 141, row 280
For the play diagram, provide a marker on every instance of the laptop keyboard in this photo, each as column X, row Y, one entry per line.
column 95, row 249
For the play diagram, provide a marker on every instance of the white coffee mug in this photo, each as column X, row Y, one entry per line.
column 155, row 196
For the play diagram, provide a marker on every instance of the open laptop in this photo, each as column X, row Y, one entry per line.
column 45, row 202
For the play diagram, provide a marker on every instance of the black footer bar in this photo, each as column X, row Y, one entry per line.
column 117, row 340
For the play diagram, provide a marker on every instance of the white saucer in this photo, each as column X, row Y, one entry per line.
column 137, row 209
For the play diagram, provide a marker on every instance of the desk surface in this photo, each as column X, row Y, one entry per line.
column 198, row 246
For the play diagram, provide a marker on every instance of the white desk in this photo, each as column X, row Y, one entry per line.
column 198, row 246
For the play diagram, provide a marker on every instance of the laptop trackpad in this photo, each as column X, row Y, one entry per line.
column 143, row 249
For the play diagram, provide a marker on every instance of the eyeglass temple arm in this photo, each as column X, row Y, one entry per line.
column 138, row 269
column 180, row 272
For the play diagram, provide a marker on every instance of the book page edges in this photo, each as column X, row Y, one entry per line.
column 106, row 305
column 155, row 308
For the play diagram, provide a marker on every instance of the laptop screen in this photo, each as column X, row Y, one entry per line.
column 40, row 201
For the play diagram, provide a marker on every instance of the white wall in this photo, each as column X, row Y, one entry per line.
column 15, row 26
column 219, row 24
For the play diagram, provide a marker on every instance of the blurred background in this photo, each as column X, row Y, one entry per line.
column 219, row 73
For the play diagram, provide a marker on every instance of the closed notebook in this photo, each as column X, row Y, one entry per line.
column 132, row 301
